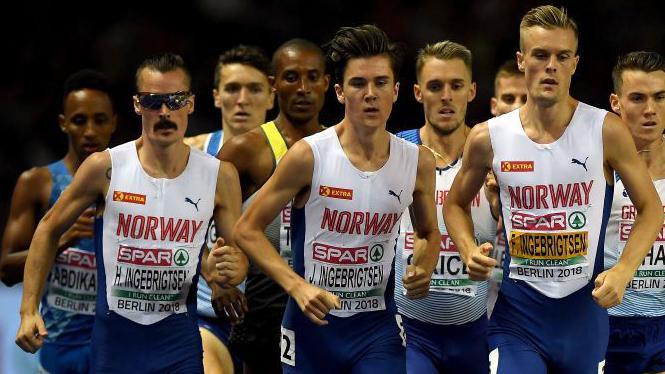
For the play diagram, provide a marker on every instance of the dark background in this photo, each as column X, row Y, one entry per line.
column 43, row 42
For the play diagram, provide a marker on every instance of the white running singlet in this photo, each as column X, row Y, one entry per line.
column 553, row 199
column 645, row 294
column 154, row 229
column 352, row 220
column 453, row 298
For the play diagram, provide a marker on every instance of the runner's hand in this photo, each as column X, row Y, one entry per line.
column 610, row 286
column 83, row 227
column 479, row 264
column 230, row 264
column 314, row 302
column 416, row 282
column 229, row 303
column 31, row 333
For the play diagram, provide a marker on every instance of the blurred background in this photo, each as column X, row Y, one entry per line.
column 44, row 42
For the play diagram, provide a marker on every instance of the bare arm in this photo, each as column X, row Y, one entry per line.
column 29, row 202
column 423, row 213
column 292, row 176
column 477, row 162
column 230, row 262
column 89, row 183
column 621, row 155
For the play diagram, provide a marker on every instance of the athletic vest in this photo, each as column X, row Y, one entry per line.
column 453, row 298
column 555, row 201
column 645, row 294
column 345, row 235
column 262, row 292
column 68, row 303
column 154, row 229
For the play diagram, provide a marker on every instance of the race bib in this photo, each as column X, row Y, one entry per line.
column 147, row 284
column 358, row 276
column 285, row 234
column 72, row 284
column 450, row 275
column 650, row 276
column 548, row 256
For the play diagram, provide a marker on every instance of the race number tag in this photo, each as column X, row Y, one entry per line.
column 285, row 234
column 146, row 284
column 450, row 275
column 650, row 276
column 72, row 283
column 358, row 276
column 549, row 256
column 287, row 347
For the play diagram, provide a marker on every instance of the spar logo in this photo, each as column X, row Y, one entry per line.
column 517, row 166
column 339, row 255
column 336, row 193
column 181, row 257
column 145, row 256
column 547, row 222
column 376, row 252
column 77, row 258
column 128, row 197
column 577, row 220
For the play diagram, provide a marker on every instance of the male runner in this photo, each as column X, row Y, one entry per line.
column 300, row 84
column 244, row 95
column 447, row 330
column 554, row 160
column 68, row 304
column 637, row 325
column 350, row 185
column 509, row 89
column 152, row 234
column 509, row 94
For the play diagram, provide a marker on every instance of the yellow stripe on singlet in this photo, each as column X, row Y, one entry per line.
column 275, row 139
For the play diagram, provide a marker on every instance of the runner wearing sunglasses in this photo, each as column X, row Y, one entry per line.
column 157, row 196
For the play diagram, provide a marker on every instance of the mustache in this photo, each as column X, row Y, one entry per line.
column 165, row 124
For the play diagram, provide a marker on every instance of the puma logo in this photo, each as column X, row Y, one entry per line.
column 392, row 193
column 578, row 162
column 196, row 204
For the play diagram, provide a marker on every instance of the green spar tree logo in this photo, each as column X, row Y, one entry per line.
column 376, row 252
column 576, row 220
column 181, row 257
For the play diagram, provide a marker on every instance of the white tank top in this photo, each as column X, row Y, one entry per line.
column 553, row 200
column 352, row 222
column 453, row 297
column 645, row 294
column 154, row 229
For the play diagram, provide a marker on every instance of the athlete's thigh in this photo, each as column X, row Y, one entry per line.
column 418, row 361
column 387, row 356
column 515, row 357
column 624, row 357
column 57, row 359
column 216, row 357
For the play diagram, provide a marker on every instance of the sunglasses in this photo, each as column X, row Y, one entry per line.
column 154, row 101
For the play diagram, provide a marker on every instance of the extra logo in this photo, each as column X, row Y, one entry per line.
column 376, row 252
column 181, row 257
column 196, row 204
column 128, row 197
column 392, row 193
column 576, row 220
column 336, row 193
column 517, row 166
column 578, row 162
